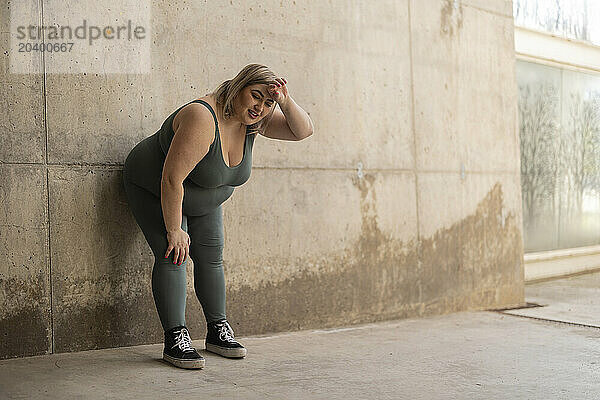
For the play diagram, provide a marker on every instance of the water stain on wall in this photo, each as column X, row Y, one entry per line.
column 451, row 17
column 25, row 328
column 112, row 322
column 474, row 264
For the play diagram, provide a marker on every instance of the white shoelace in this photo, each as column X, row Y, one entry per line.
column 184, row 341
column 225, row 332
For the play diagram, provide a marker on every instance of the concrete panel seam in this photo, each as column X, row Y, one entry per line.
column 113, row 167
column 414, row 150
column 107, row 167
column 86, row 164
column 45, row 121
column 468, row 172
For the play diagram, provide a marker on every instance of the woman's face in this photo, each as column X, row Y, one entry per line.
column 253, row 103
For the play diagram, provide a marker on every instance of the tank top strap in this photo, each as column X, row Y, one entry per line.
column 209, row 109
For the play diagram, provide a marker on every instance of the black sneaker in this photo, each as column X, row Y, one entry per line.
column 179, row 351
column 219, row 339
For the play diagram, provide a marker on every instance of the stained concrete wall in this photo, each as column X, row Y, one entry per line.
column 405, row 202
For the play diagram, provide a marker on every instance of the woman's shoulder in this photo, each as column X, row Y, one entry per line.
column 194, row 111
column 199, row 105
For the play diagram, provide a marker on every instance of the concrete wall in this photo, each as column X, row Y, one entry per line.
column 405, row 202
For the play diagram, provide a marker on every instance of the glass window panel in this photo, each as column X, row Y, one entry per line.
column 559, row 128
column 575, row 19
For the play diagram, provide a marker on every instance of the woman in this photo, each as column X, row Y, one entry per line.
column 176, row 181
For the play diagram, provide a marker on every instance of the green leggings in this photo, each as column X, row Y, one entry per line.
column 168, row 279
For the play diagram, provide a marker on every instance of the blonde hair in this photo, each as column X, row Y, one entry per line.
column 251, row 74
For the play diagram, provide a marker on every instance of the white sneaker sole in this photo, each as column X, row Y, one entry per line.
column 225, row 351
column 188, row 364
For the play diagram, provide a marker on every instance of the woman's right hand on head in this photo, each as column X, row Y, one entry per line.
column 179, row 243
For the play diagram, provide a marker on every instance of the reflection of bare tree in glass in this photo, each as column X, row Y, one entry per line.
column 590, row 118
column 581, row 152
column 567, row 17
column 538, row 133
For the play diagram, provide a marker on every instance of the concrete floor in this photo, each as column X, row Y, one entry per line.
column 467, row 355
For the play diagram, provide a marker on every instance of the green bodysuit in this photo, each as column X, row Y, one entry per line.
column 208, row 185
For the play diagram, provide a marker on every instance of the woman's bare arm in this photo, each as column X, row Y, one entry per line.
column 190, row 144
